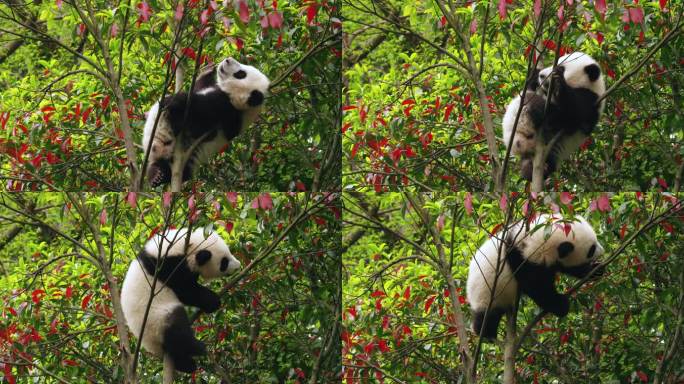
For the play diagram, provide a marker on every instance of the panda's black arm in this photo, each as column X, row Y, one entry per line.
column 581, row 271
column 537, row 282
column 196, row 295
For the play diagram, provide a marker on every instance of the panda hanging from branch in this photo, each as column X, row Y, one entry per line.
column 226, row 99
column 568, row 120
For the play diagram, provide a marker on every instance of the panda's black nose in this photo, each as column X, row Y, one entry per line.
column 256, row 98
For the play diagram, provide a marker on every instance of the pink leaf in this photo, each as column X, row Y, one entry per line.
column 179, row 11
column 636, row 15
column 204, row 17
column 503, row 203
column 132, row 199
column 264, row 22
column 566, row 197
column 440, row 222
column 59, row 4
column 265, row 201
column 103, row 216
column 603, row 203
column 166, row 199
column 144, row 10
column 561, row 10
column 191, row 203
column 468, row 203
column 502, row 9
column 600, row 7
column 473, row 26
column 232, row 198
column 244, row 11
column 537, row 8
column 275, row 19
column 114, row 30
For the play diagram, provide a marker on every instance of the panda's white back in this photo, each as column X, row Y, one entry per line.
column 135, row 294
column 482, row 274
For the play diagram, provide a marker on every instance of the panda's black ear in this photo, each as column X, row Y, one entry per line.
column 202, row 257
column 564, row 249
column 593, row 71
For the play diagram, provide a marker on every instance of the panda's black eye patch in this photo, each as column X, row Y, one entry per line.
column 240, row 74
column 202, row 257
column 593, row 72
column 591, row 252
column 564, row 249
column 224, row 264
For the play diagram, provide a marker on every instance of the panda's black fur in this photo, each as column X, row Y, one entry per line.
column 225, row 99
column 167, row 331
column 573, row 111
column 531, row 261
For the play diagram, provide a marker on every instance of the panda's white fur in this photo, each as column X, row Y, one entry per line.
column 226, row 99
column 176, row 285
column 572, row 112
column 545, row 250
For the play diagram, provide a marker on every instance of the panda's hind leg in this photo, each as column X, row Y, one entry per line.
column 180, row 343
column 491, row 325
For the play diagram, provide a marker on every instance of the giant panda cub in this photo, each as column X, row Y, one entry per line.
column 168, row 333
column 226, row 99
column 573, row 111
column 530, row 261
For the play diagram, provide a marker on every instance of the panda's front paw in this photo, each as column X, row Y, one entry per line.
column 561, row 307
column 600, row 271
column 211, row 304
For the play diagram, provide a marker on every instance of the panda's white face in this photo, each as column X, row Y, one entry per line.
column 246, row 86
column 210, row 257
column 570, row 242
column 580, row 71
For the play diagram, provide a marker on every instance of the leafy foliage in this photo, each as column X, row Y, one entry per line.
column 276, row 322
column 61, row 127
column 398, row 309
column 414, row 117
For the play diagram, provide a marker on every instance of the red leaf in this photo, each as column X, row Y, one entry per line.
column 382, row 345
column 407, row 293
column 428, row 303
column 37, row 295
column 85, row 301
column 70, row 363
column 311, row 13
column 447, row 111
column 204, row 16
column 229, row 226
column 642, row 376
column 232, row 198
column 662, row 4
column 69, row 292
column 378, row 294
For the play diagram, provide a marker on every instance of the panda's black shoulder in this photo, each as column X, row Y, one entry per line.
column 169, row 269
